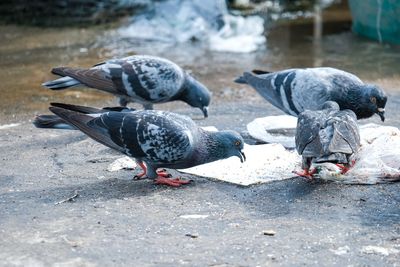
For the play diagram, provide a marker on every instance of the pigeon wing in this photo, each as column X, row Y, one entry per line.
column 346, row 136
column 91, row 110
column 152, row 79
column 94, row 77
column 307, row 138
column 165, row 140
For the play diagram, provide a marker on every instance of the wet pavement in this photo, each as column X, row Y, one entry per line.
column 117, row 221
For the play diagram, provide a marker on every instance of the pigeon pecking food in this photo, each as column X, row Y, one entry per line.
column 143, row 79
column 156, row 139
column 296, row 90
column 328, row 135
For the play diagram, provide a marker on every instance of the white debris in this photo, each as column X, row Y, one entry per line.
column 274, row 129
column 264, row 163
column 180, row 21
column 122, row 163
column 194, row 216
column 239, row 35
column 379, row 250
column 210, row 128
column 83, row 50
column 341, row 250
column 377, row 161
column 11, row 125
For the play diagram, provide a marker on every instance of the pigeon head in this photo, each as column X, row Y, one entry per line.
column 377, row 100
column 230, row 143
column 365, row 101
column 196, row 94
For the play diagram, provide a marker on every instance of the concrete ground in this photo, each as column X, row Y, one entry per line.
column 113, row 220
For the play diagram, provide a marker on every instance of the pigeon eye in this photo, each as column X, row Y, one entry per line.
column 373, row 99
column 237, row 143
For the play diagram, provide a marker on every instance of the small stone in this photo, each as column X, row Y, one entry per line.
column 269, row 232
column 192, row 235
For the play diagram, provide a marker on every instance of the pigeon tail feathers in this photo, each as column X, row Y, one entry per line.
column 81, row 121
column 240, row 80
column 61, row 83
column 76, row 108
column 51, row 122
column 259, row 72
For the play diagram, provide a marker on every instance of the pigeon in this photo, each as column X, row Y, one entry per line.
column 143, row 79
column 55, row 122
column 328, row 135
column 155, row 139
column 296, row 90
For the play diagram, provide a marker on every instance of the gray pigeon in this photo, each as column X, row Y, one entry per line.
column 296, row 90
column 143, row 79
column 327, row 135
column 156, row 139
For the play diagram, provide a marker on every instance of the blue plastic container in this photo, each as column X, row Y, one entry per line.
column 377, row 19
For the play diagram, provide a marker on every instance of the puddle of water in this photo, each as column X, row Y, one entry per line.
column 27, row 54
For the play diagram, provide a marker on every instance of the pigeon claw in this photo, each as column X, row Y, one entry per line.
column 142, row 174
column 343, row 169
column 306, row 173
column 176, row 182
column 139, row 176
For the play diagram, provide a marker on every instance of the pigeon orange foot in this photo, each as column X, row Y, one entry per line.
column 306, row 173
column 162, row 173
column 176, row 182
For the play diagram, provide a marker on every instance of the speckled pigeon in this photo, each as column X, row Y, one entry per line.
column 156, row 139
column 296, row 90
column 55, row 122
column 327, row 135
column 143, row 79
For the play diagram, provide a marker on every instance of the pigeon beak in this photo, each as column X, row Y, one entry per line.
column 205, row 111
column 242, row 156
column 381, row 113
